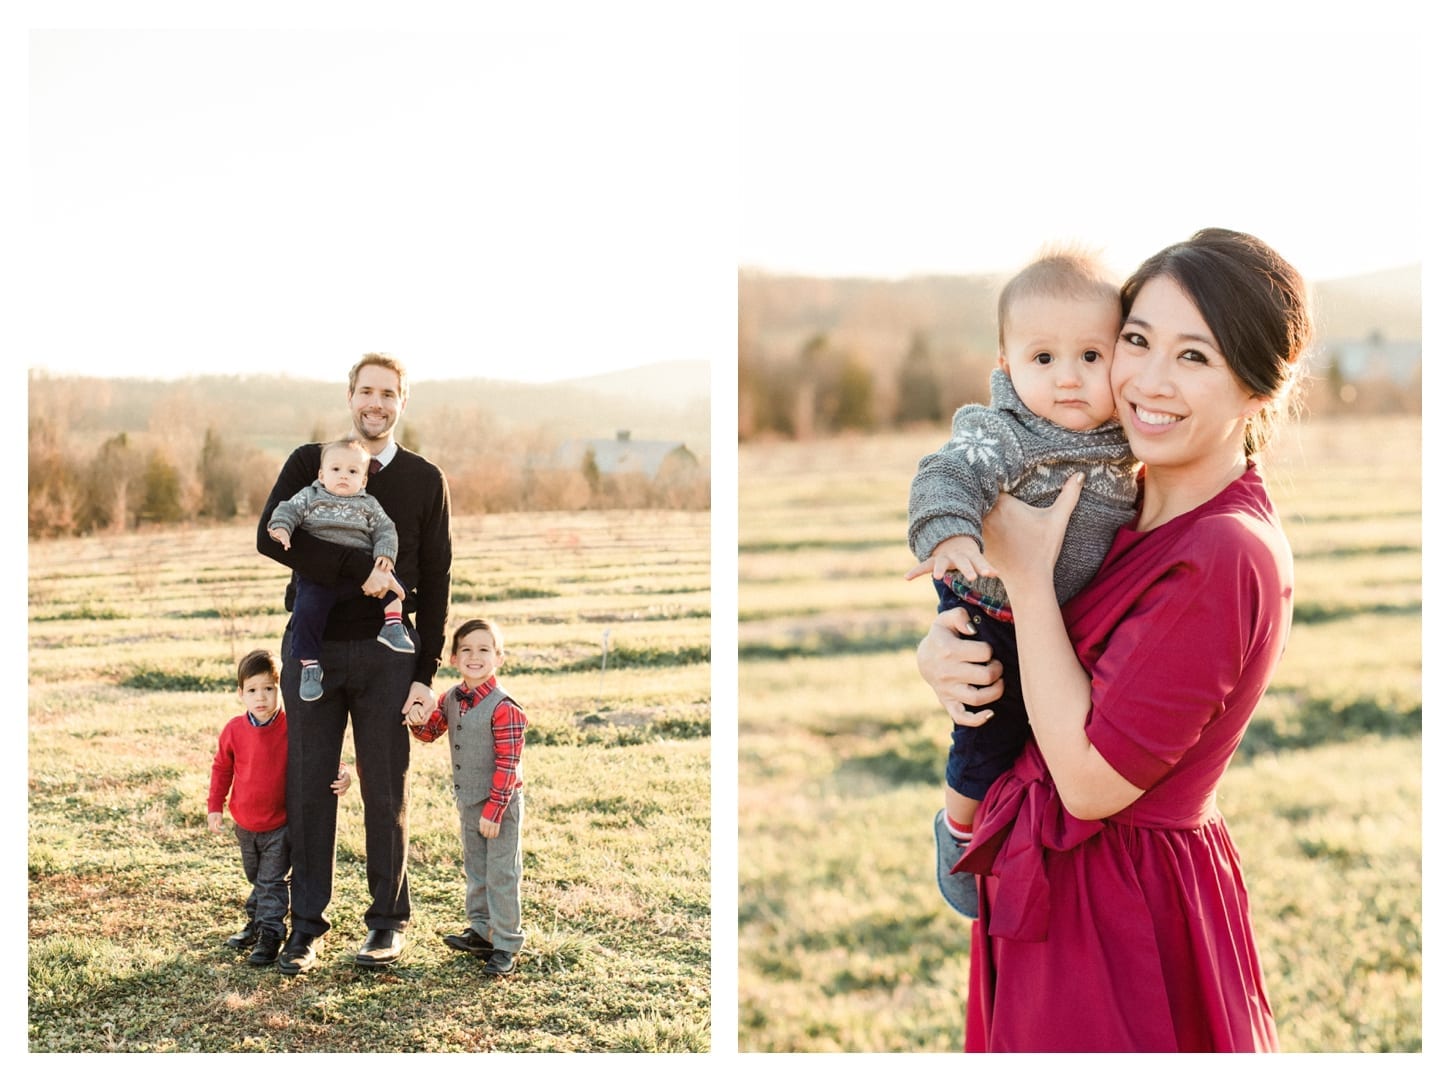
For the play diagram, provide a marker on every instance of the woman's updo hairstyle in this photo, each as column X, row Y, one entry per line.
column 1256, row 306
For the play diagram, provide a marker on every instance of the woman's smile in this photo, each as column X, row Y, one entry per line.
column 1147, row 420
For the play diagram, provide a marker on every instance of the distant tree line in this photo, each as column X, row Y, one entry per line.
column 135, row 478
column 819, row 356
column 169, row 474
column 832, row 385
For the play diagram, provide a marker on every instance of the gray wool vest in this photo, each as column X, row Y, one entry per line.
column 470, row 742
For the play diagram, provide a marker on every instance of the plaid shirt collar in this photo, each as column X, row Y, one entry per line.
column 467, row 699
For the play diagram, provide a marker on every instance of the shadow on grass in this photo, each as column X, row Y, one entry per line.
column 613, row 811
column 916, row 761
column 495, row 596
column 1310, row 722
column 807, row 544
column 67, row 971
column 882, row 952
column 161, row 679
column 185, row 678
column 1310, row 613
column 1284, row 723
column 1360, row 550
column 831, row 643
column 85, row 613
column 623, row 655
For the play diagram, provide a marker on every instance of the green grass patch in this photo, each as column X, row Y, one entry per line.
column 86, row 612
column 467, row 595
column 600, row 730
column 624, row 655
column 1310, row 612
column 160, row 679
column 1286, row 722
column 845, row 944
column 808, row 544
column 216, row 613
column 829, row 642
column 130, row 897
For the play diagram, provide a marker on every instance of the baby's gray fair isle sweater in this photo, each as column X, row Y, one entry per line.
column 357, row 521
column 1005, row 447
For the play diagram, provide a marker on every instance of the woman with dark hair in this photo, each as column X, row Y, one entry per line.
column 1114, row 914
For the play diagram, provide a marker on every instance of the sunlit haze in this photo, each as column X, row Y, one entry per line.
column 896, row 155
column 515, row 206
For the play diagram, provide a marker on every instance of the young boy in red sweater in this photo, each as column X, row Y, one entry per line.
column 251, row 763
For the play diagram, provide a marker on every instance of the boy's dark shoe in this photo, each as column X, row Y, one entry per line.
column 247, row 936
column 299, row 954
column 395, row 637
column 269, row 944
column 500, row 963
column 470, row 941
column 960, row 890
column 310, row 687
column 382, row 947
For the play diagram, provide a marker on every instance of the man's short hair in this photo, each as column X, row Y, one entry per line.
column 256, row 663
column 380, row 360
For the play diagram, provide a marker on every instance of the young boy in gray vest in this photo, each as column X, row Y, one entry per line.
column 1051, row 415
column 487, row 746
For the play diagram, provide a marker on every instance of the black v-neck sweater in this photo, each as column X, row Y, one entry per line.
column 414, row 493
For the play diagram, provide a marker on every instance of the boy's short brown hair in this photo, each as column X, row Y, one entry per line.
column 256, row 663
column 468, row 627
column 1056, row 272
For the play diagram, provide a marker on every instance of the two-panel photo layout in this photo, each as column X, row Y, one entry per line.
column 786, row 542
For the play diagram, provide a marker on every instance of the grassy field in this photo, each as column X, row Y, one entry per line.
column 133, row 644
column 845, row 944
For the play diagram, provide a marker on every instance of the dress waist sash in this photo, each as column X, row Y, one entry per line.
column 1022, row 819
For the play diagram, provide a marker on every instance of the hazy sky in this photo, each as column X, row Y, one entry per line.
column 892, row 155
column 533, row 205
column 519, row 205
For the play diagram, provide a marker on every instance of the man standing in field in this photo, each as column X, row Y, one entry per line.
column 378, row 688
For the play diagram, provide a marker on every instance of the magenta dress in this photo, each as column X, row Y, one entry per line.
column 1133, row 933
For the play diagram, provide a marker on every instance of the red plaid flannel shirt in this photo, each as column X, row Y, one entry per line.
column 508, row 723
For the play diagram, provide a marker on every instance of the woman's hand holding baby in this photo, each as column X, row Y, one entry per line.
column 959, row 670
column 1025, row 540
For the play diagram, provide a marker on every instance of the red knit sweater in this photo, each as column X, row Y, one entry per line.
column 251, row 762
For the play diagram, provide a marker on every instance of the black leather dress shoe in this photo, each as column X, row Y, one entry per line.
column 382, row 947
column 265, row 952
column 244, row 938
column 470, row 941
column 299, row 954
